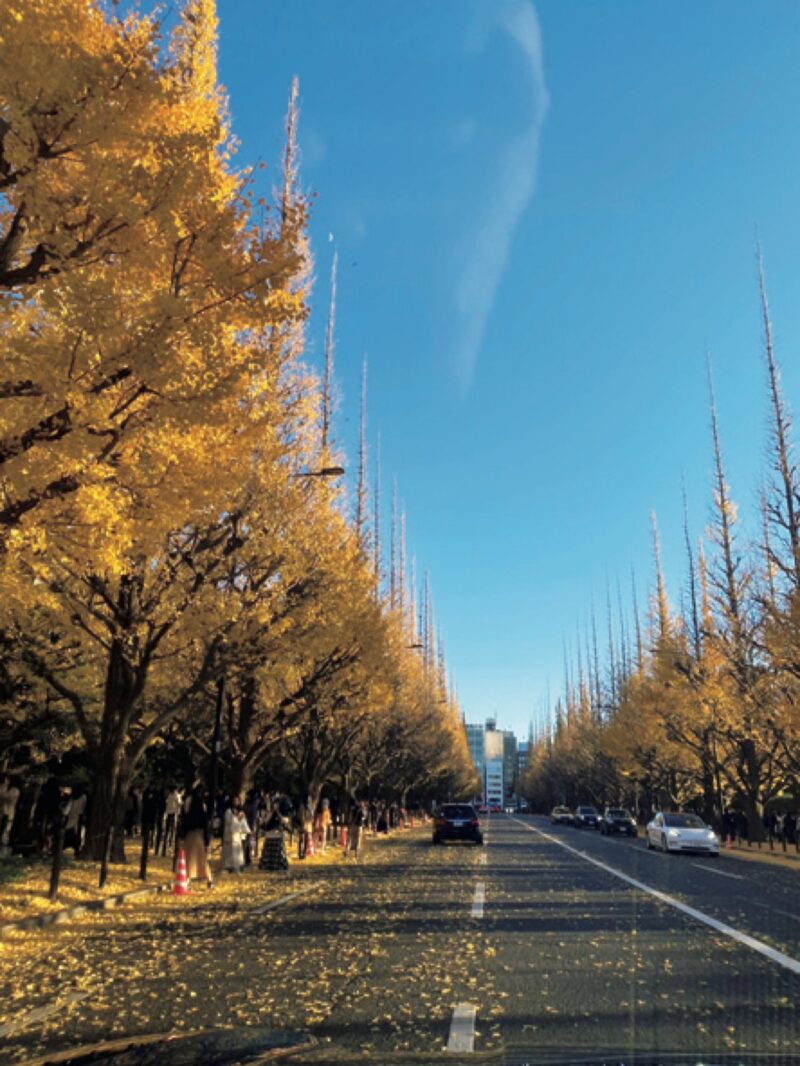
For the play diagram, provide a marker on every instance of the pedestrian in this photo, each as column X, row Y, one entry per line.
column 382, row 824
column 152, row 805
column 235, row 831
column 322, row 824
column 273, row 855
column 729, row 825
column 173, row 806
column 303, row 822
column 355, row 830
column 195, row 834
column 780, row 829
column 73, row 829
column 9, row 797
column 253, row 815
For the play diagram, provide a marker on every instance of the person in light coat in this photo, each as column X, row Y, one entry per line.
column 235, row 831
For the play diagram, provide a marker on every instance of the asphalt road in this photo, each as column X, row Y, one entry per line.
column 540, row 938
column 591, row 961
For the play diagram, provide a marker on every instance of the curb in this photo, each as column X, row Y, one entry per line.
column 41, row 921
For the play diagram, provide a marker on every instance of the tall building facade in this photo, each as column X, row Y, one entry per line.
column 494, row 753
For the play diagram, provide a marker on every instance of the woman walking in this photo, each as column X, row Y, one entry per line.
column 195, row 836
column 322, row 824
column 235, row 831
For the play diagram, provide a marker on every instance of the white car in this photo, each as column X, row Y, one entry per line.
column 681, row 832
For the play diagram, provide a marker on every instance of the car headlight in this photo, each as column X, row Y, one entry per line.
column 673, row 833
column 711, row 835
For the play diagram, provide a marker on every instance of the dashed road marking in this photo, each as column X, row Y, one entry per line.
column 722, row 873
column 462, row 1028
column 484, row 858
column 745, row 939
column 774, row 910
column 479, row 900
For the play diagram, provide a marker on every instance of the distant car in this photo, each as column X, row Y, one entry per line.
column 618, row 820
column 495, row 809
column 483, row 809
column 457, row 821
column 561, row 816
column 509, row 810
column 586, row 817
column 681, row 832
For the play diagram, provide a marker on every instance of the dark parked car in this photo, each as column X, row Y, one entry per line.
column 457, row 821
column 586, row 816
column 618, row 820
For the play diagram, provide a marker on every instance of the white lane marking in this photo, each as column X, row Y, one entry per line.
column 722, row 873
column 41, row 1014
column 774, row 910
column 721, row 927
column 479, row 900
column 483, row 859
column 279, row 902
column 462, row 1028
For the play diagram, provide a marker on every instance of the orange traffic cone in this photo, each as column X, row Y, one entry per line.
column 181, row 886
column 311, row 850
column 343, row 837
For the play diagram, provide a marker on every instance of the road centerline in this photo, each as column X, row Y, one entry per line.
column 462, row 1028
column 786, row 961
column 478, row 900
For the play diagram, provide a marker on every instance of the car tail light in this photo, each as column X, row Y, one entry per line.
column 475, row 823
column 441, row 821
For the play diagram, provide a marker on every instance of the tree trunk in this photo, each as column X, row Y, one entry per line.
column 107, row 811
column 241, row 775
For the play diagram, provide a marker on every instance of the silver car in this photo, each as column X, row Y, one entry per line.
column 681, row 832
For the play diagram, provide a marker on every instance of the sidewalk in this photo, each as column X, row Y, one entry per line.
column 24, row 886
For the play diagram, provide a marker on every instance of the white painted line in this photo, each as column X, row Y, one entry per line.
column 721, row 927
column 479, row 900
column 722, row 873
column 41, row 1014
column 775, row 910
column 483, row 859
column 279, row 902
column 462, row 1028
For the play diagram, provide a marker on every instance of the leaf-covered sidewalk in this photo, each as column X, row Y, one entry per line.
column 24, row 886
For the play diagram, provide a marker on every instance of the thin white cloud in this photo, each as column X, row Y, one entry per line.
column 513, row 186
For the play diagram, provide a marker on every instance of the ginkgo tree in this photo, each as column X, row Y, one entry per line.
column 162, row 533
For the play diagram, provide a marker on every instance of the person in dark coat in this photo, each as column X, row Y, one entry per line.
column 196, row 836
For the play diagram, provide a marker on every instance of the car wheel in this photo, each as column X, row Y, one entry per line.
column 664, row 845
column 649, row 843
column 479, row 841
column 436, row 840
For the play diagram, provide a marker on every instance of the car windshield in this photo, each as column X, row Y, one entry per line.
column 399, row 429
column 457, row 810
column 684, row 821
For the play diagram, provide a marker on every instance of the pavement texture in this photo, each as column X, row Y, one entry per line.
column 555, row 953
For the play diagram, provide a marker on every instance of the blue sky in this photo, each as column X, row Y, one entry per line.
column 544, row 215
